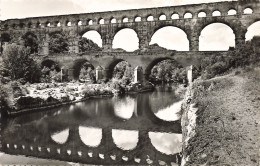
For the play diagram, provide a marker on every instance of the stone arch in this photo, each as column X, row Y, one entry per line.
column 79, row 22
column 232, row 11
column 29, row 25
column 77, row 65
column 248, row 10
column 110, row 67
column 150, row 66
column 89, row 22
column 223, row 25
column 68, row 23
column 112, row 20
column 125, row 19
column 150, row 17
column 188, row 15
column 32, row 41
column 101, row 21
column 131, row 32
column 216, row 13
column 253, row 29
column 156, row 29
column 202, row 14
column 51, row 64
column 137, row 18
column 162, row 17
column 99, row 42
column 175, row 16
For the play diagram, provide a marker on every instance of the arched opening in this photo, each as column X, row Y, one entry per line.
column 58, row 24
column 21, row 25
column 162, row 17
column 90, row 136
column 38, row 25
column 248, row 11
column 113, row 20
column 125, row 19
column 58, row 42
column 48, row 24
column 79, row 23
column 150, row 18
column 172, row 38
column 84, row 71
column 187, row 15
column 138, row 19
column 4, row 38
column 68, row 23
column 91, row 40
column 126, row 39
column 51, row 65
column 175, row 16
column 125, row 139
column 165, row 70
column 101, row 21
column 50, row 72
column 60, row 137
column 31, row 41
column 166, row 143
column 14, row 26
column 202, row 14
column 216, row 13
column 216, row 37
column 122, row 70
column 90, row 22
column 232, row 12
column 253, row 30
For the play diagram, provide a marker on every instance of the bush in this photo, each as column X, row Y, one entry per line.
column 18, row 64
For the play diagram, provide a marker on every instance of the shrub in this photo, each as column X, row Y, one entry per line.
column 18, row 64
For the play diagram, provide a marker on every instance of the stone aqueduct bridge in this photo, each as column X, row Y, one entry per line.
column 76, row 25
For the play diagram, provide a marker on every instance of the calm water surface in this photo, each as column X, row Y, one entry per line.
column 131, row 127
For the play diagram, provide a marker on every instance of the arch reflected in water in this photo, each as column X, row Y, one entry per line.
column 125, row 139
column 166, row 143
column 60, row 137
column 170, row 113
column 124, row 107
column 90, row 136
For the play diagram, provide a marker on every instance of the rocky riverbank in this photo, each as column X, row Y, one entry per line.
column 32, row 97
column 221, row 120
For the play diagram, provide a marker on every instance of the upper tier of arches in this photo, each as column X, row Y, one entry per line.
column 129, row 16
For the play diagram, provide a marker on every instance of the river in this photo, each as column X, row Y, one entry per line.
column 133, row 128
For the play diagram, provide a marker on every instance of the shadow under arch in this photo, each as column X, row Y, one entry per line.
column 50, row 64
column 31, row 40
column 77, row 65
column 150, row 66
column 110, row 67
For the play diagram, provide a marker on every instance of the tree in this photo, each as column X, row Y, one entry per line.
column 88, row 45
column 30, row 40
column 19, row 64
column 58, row 43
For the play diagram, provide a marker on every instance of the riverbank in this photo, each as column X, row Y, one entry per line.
column 221, row 123
column 36, row 97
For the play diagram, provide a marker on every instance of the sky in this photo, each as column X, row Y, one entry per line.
column 217, row 37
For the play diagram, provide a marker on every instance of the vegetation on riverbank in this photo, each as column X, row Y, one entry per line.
column 227, row 124
column 221, row 121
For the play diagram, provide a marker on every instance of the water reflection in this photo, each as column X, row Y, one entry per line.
column 170, row 113
column 90, row 136
column 103, row 125
column 60, row 137
column 125, row 139
column 166, row 143
column 124, row 107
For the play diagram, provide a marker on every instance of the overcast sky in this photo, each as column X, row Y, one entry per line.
column 166, row 38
